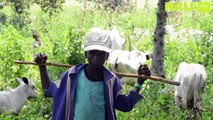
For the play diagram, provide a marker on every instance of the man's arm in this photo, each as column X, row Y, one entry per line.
column 45, row 80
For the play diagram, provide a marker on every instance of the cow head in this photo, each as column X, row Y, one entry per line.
column 28, row 86
column 143, row 57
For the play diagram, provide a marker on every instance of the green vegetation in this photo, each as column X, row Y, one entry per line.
column 63, row 34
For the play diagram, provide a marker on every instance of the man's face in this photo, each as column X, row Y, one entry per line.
column 96, row 58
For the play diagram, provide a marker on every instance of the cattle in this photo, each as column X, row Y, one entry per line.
column 192, row 78
column 117, row 41
column 127, row 62
column 12, row 100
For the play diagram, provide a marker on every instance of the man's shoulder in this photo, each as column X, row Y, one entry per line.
column 109, row 75
column 73, row 70
column 76, row 68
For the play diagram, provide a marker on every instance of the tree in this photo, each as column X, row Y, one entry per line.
column 158, row 42
column 20, row 14
column 50, row 6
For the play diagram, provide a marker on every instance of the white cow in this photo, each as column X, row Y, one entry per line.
column 191, row 78
column 127, row 62
column 117, row 41
column 13, row 100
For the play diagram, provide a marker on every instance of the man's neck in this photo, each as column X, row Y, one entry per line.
column 94, row 73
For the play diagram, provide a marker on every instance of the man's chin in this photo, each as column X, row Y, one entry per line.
column 97, row 66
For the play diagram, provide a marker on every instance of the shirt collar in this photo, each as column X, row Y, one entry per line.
column 107, row 74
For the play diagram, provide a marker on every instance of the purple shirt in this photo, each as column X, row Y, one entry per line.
column 113, row 96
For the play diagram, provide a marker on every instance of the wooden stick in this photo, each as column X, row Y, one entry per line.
column 47, row 63
column 154, row 78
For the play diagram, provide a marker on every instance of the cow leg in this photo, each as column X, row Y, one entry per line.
column 177, row 100
column 184, row 100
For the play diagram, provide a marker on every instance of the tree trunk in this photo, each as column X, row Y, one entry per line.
column 158, row 42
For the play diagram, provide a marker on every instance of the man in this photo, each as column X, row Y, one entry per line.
column 90, row 91
column 36, row 42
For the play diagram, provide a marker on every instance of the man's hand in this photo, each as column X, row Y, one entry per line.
column 40, row 58
column 143, row 70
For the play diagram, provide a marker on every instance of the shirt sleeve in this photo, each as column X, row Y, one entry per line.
column 52, row 89
column 49, row 91
column 124, row 102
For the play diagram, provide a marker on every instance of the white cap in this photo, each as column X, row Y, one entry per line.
column 98, row 41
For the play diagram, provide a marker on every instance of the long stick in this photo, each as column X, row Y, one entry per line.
column 47, row 63
column 154, row 78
